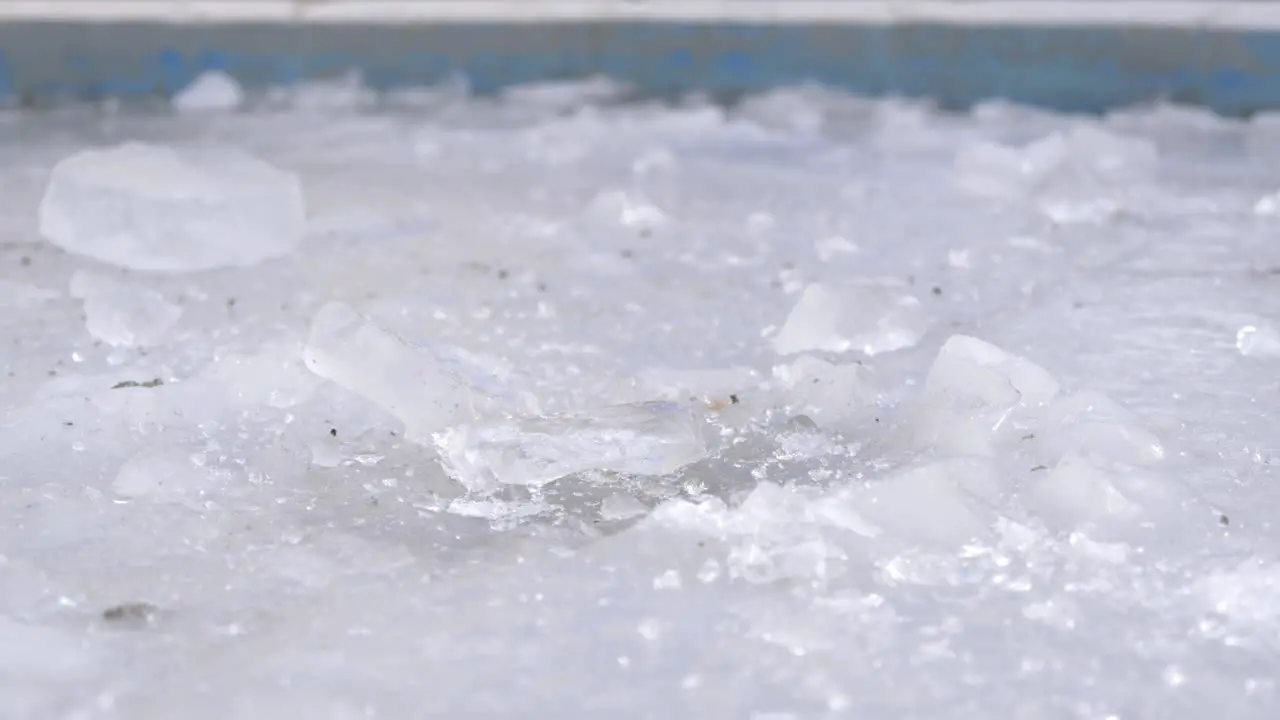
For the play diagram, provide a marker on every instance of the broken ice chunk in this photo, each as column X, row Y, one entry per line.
column 147, row 207
column 417, row 386
column 1078, row 163
column 1258, row 341
column 973, row 397
column 653, row 438
column 1076, row 492
column 969, row 367
column 825, row 391
column 829, row 248
column 1091, row 425
column 872, row 318
column 121, row 314
column 939, row 503
column 998, row 171
column 212, row 90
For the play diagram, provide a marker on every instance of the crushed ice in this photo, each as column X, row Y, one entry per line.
column 994, row 425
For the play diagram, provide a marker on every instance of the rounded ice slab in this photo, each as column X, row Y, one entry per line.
column 170, row 209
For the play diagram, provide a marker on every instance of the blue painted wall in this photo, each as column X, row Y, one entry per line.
column 1068, row 68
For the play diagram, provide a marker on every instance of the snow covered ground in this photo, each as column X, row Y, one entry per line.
column 331, row 405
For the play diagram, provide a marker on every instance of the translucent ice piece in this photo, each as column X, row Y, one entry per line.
column 412, row 383
column 942, row 503
column 869, row 317
column 121, row 314
column 1077, row 492
column 653, row 438
column 974, row 396
column 825, row 391
column 146, row 207
column 1258, row 341
column 1091, row 425
column 998, row 171
column 969, row 367
column 212, row 90
column 1084, row 157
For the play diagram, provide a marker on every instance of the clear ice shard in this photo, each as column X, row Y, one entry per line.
column 425, row 388
column 172, row 209
column 975, row 397
column 869, row 317
column 211, row 90
column 121, row 314
column 650, row 438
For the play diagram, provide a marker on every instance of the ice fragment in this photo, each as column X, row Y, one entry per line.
column 121, row 314
column 824, row 391
column 211, row 90
column 171, row 209
column 653, row 438
column 939, row 503
column 421, row 388
column 872, row 318
column 975, row 395
column 1077, row 492
column 1258, row 341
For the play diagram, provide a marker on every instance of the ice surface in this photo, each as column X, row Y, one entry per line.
column 655, row 438
column 122, row 314
column 1054, row 498
column 149, row 207
column 211, row 90
column 872, row 318
column 165, row 476
column 16, row 294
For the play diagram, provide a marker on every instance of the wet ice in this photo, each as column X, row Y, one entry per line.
column 817, row 406
column 169, row 209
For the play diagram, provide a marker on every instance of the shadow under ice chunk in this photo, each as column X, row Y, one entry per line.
column 654, row 438
column 121, row 314
column 146, row 207
column 869, row 317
